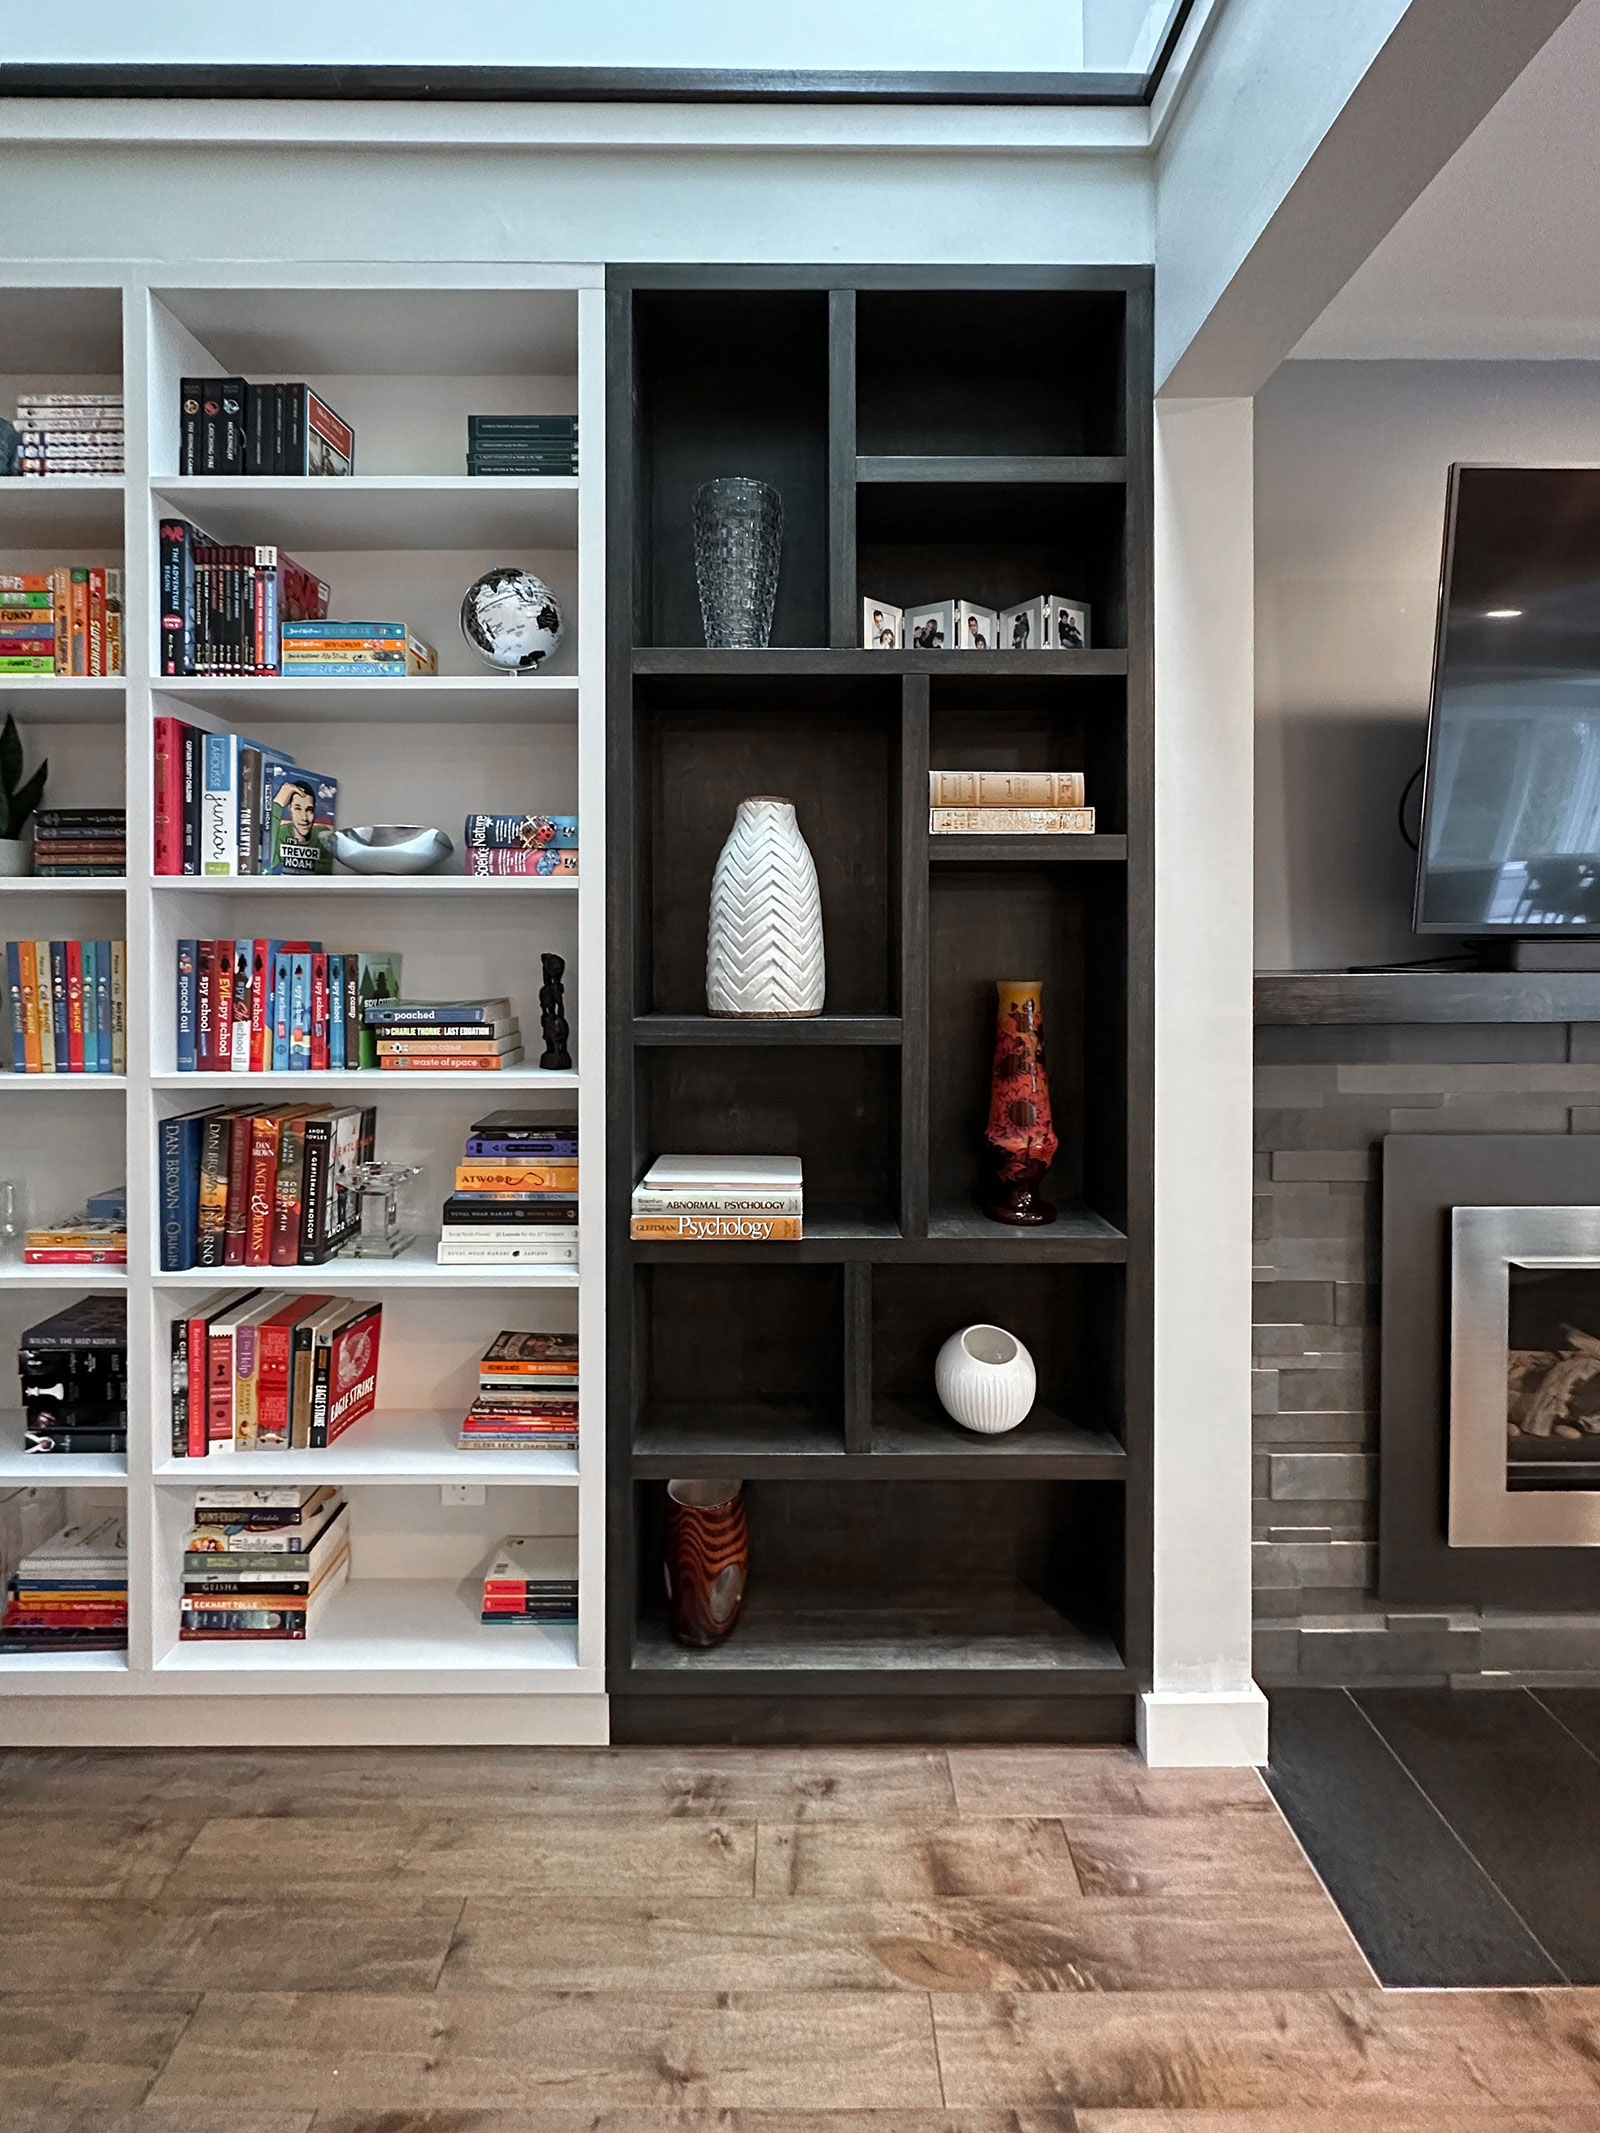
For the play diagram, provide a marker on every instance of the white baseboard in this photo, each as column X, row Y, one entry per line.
column 306, row 1722
column 1206, row 1729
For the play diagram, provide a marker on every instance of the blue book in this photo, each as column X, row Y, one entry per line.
column 299, row 1013
column 110, row 1205
column 187, row 951
column 179, row 1153
column 102, row 1002
column 88, row 966
column 58, row 997
column 280, row 1012
column 19, row 1041
column 335, row 1014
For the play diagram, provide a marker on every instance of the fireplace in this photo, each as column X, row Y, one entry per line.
column 1524, row 1421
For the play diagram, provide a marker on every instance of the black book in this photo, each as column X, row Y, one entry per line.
column 189, row 772
column 231, row 439
column 91, row 1322
column 280, row 429
column 210, row 426
column 190, row 391
column 521, row 1214
column 294, row 429
column 47, row 1438
column 260, row 440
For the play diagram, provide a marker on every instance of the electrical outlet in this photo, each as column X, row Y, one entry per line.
column 461, row 1492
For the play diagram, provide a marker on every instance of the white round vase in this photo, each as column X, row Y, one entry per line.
column 985, row 1379
column 764, row 944
column 15, row 855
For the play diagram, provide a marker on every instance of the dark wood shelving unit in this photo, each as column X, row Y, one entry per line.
column 982, row 434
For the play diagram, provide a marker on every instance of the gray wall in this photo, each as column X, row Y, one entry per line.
column 1350, row 477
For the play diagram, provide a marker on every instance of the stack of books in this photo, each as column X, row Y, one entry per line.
column 228, row 426
column 521, row 844
column 527, row 1395
column 62, row 621
column 719, row 1199
column 427, row 1036
column 74, row 1373
column 69, row 1006
column 278, row 1007
column 70, row 1594
column 1008, row 803
column 69, row 433
column 522, row 444
column 96, row 1237
column 354, row 651
column 80, row 841
column 533, row 1580
column 224, row 605
column 263, row 1570
column 256, row 1370
column 267, row 1185
column 516, row 1196
column 226, row 806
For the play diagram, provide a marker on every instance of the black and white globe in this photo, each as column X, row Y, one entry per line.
column 513, row 619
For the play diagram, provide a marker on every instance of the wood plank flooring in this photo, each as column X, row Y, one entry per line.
column 755, row 1941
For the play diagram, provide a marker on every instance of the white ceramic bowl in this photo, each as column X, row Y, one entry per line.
column 985, row 1379
column 391, row 848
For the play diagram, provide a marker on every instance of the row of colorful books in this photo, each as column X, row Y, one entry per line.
column 228, row 806
column 516, row 1194
column 71, row 1592
column 352, row 651
column 279, row 1007
column 429, row 1036
column 224, row 605
column 254, row 1370
column 96, row 1236
column 73, row 1370
column 513, row 845
column 1008, row 803
column 269, row 1185
column 527, row 1395
column 533, row 1579
column 264, row 1572
column 229, row 426
column 715, row 1199
column 69, row 1006
column 69, row 433
column 73, row 842
column 67, row 620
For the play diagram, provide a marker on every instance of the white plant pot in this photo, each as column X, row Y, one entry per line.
column 15, row 857
column 985, row 1379
column 764, row 956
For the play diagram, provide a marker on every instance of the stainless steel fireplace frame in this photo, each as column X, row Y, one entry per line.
column 1485, row 1243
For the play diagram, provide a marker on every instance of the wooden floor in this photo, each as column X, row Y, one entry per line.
column 758, row 1941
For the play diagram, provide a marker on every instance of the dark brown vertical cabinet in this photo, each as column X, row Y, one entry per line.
column 979, row 434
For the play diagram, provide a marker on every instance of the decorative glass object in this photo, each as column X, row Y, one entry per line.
column 706, row 1561
column 378, row 1234
column 1020, row 1134
column 764, row 949
column 738, row 544
column 13, row 1219
column 512, row 619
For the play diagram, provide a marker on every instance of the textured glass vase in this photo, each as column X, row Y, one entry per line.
column 764, row 952
column 738, row 544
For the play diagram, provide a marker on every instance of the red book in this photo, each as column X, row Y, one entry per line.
column 205, row 1000
column 217, row 1418
column 236, row 1222
column 75, row 1007
column 260, row 1008
column 263, row 1142
column 351, row 1387
column 97, row 619
column 222, row 1007
column 169, row 796
column 319, row 1014
column 275, row 1351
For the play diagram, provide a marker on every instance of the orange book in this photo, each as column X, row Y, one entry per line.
column 61, row 615
column 716, row 1229
column 516, row 1177
column 80, row 622
column 32, row 1054
column 477, row 1062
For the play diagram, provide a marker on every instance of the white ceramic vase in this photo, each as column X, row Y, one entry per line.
column 985, row 1379
column 764, row 954
column 13, row 857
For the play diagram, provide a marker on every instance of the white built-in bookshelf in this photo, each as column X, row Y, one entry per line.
column 404, row 354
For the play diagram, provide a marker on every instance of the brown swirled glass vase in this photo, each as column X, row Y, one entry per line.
column 706, row 1560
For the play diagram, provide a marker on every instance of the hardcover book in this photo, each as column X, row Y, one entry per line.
column 300, row 824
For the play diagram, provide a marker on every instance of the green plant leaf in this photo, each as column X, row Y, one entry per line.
column 10, row 756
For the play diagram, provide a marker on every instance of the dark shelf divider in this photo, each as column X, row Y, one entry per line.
column 777, row 661
column 961, row 850
column 735, row 1030
column 932, row 467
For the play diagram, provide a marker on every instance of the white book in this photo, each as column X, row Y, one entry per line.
column 546, row 1559
column 87, row 1545
column 673, row 1174
column 734, row 1200
column 474, row 1252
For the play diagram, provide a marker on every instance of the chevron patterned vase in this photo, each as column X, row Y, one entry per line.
column 764, row 948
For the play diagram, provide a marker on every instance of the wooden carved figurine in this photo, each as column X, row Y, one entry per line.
column 1021, row 1139
column 706, row 1561
column 553, row 1016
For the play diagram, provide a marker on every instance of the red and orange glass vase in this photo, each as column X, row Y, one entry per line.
column 1020, row 1137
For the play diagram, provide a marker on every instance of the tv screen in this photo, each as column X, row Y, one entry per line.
column 1511, row 800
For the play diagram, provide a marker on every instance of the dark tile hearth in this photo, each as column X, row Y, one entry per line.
column 1453, row 1828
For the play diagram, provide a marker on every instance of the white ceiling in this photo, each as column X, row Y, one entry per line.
column 1498, row 259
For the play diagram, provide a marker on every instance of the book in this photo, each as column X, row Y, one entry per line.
column 701, row 1173
column 530, row 1355
column 1005, row 788
column 345, row 1374
column 377, row 994
column 1011, row 821
column 300, row 819
column 391, row 1014
column 715, row 1229
column 518, row 866
column 476, row 1063
column 510, row 1214
column 516, row 1177
column 520, row 833
column 530, row 1135
column 503, row 1251
column 179, row 1143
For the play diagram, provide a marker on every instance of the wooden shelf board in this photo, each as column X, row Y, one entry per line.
column 924, row 1443
column 823, row 661
column 418, row 1270
column 362, row 885
column 739, row 1030
column 63, row 1664
column 69, row 1084
column 379, row 511
column 694, row 1441
column 824, row 1242
column 878, row 467
column 1077, row 1233
column 14, row 1275
column 954, row 1235
column 378, row 1625
column 363, row 1079
column 54, row 1470
column 419, row 700
column 798, row 1444
column 395, row 1445
column 963, row 850
column 68, row 885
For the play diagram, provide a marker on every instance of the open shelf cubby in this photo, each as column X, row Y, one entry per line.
column 969, row 434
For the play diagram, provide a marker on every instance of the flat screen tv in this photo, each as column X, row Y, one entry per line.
column 1510, row 838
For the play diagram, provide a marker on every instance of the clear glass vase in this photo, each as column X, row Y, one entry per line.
column 738, row 545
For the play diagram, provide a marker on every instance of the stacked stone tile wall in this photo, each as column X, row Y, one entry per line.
column 1324, row 1099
